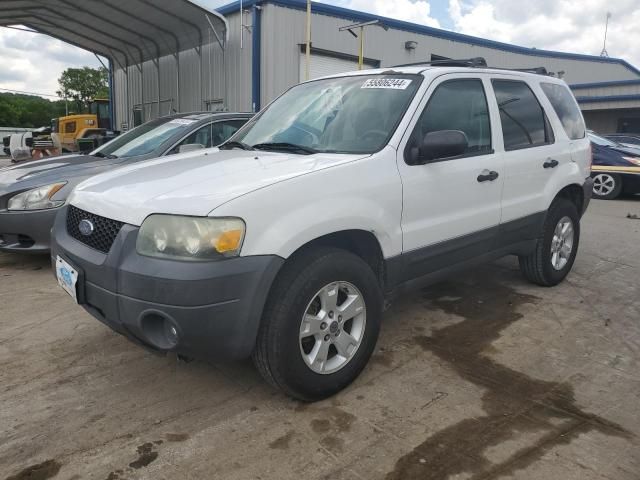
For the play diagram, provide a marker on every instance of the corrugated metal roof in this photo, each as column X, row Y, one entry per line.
column 614, row 83
column 608, row 98
column 127, row 31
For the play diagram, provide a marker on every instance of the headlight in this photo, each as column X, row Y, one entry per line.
column 634, row 160
column 37, row 199
column 190, row 238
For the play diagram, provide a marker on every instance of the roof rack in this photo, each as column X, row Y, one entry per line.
column 476, row 62
column 538, row 70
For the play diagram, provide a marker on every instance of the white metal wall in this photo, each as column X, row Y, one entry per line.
column 284, row 30
column 202, row 82
column 606, row 90
column 322, row 65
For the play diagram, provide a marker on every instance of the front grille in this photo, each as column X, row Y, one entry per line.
column 104, row 233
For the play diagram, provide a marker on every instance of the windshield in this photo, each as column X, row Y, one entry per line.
column 337, row 115
column 598, row 140
column 145, row 138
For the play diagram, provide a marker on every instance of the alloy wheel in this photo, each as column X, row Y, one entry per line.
column 562, row 243
column 332, row 327
column 603, row 184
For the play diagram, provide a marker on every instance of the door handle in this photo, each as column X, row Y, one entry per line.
column 487, row 176
column 551, row 163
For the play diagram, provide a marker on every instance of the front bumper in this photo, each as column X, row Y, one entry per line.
column 27, row 231
column 214, row 308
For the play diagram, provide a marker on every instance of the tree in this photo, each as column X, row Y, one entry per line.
column 28, row 111
column 84, row 85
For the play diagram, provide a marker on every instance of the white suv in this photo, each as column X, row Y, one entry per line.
column 283, row 243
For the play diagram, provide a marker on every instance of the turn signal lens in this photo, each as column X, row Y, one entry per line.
column 228, row 241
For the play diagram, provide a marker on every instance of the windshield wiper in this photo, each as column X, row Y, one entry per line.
column 286, row 147
column 230, row 145
column 102, row 155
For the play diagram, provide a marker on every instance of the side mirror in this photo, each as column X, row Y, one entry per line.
column 439, row 145
column 191, row 147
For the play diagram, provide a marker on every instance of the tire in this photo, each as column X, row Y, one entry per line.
column 542, row 267
column 607, row 186
column 282, row 356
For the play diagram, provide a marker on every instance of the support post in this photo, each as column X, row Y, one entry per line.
column 223, row 46
column 361, row 54
column 157, row 62
column 199, row 51
column 112, row 96
column 177, row 57
column 129, row 112
column 308, row 46
column 256, row 59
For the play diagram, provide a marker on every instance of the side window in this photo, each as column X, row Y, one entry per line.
column 222, row 131
column 201, row 138
column 524, row 123
column 457, row 105
column 566, row 108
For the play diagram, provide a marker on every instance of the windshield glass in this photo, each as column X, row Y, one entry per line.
column 598, row 140
column 145, row 138
column 338, row 115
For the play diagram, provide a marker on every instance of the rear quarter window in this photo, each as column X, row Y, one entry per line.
column 566, row 108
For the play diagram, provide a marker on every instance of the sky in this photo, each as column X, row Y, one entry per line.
column 32, row 62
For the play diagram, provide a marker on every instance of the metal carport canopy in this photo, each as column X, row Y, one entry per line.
column 129, row 32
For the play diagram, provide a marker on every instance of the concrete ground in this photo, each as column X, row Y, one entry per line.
column 481, row 377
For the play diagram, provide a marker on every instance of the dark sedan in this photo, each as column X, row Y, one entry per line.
column 615, row 169
column 625, row 139
column 32, row 193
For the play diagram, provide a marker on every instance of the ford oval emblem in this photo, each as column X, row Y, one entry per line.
column 86, row 227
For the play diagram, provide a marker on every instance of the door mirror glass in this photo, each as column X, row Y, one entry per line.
column 190, row 147
column 440, row 144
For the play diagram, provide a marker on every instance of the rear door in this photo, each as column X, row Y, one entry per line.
column 451, row 207
column 532, row 153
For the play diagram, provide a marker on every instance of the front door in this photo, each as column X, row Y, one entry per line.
column 451, row 206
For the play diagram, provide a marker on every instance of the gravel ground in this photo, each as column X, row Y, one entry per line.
column 481, row 377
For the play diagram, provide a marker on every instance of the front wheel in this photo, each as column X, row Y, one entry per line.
column 320, row 324
column 556, row 248
column 607, row 186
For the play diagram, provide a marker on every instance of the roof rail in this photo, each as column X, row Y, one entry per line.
column 477, row 62
column 538, row 70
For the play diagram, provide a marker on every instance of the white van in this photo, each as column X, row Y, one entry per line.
column 283, row 243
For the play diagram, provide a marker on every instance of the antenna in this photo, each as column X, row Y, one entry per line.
column 604, row 52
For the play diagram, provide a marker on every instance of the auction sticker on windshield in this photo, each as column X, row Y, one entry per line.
column 182, row 121
column 67, row 277
column 389, row 83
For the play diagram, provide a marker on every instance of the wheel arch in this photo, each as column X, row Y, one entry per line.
column 575, row 194
column 362, row 243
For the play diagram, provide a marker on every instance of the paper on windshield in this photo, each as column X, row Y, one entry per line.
column 181, row 121
column 387, row 83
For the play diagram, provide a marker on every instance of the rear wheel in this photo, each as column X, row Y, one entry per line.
column 607, row 186
column 320, row 324
column 556, row 249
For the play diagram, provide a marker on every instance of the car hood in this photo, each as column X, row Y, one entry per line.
column 188, row 184
column 629, row 151
column 50, row 170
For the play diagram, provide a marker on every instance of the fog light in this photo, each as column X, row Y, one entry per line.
column 160, row 331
